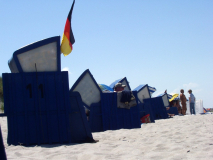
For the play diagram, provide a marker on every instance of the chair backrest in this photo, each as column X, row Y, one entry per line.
column 45, row 54
column 165, row 100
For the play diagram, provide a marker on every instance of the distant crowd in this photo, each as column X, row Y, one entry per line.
column 182, row 108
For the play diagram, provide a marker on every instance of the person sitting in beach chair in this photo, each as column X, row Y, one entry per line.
column 119, row 87
column 125, row 99
column 174, row 104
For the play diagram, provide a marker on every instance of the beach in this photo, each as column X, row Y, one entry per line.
column 180, row 137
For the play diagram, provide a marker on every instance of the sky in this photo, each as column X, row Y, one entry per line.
column 165, row 44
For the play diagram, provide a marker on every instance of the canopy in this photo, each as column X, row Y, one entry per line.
column 105, row 87
column 88, row 88
column 151, row 89
column 123, row 81
column 175, row 96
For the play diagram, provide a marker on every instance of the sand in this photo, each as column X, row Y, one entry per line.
column 181, row 137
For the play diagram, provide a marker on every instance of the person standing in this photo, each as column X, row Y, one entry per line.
column 183, row 102
column 192, row 102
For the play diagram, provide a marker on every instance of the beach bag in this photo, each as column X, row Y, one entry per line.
column 146, row 119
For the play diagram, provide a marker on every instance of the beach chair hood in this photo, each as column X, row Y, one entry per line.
column 123, row 81
column 88, row 88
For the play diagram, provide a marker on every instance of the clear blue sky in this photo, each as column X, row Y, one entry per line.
column 167, row 44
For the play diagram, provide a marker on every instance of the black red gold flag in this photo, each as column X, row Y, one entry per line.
column 68, row 39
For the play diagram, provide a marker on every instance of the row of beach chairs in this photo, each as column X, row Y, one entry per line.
column 41, row 108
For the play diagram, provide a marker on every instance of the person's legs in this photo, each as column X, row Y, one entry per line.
column 183, row 112
column 184, row 109
column 192, row 108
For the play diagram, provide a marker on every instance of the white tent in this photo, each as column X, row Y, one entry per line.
column 198, row 107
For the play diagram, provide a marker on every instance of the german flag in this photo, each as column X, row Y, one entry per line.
column 68, row 39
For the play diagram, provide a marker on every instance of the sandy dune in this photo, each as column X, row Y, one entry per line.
column 181, row 137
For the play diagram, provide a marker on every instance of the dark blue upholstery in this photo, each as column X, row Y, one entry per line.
column 173, row 110
column 116, row 118
column 2, row 150
column 146, row 108
column 40, row 109
column 95, row 118
column 158, row 109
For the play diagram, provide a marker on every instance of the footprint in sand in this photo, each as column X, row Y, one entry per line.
column 18, row 154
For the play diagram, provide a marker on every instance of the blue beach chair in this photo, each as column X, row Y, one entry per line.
column 2, row 150
column 144, row 92
column 158, row 105
column 104, row 113
column 38, row 105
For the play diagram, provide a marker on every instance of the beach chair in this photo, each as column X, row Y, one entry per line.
column 144, row 92
column 2, row 150
column 158, row 105
column 37, row 102
column 90, row 93
column 173, row 97
column 40, row 111
column 104, row 113
column 117, row 118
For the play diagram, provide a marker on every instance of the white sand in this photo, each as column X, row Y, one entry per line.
column 181, row 137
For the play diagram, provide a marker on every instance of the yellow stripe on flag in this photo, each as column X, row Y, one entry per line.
column 65, row 46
